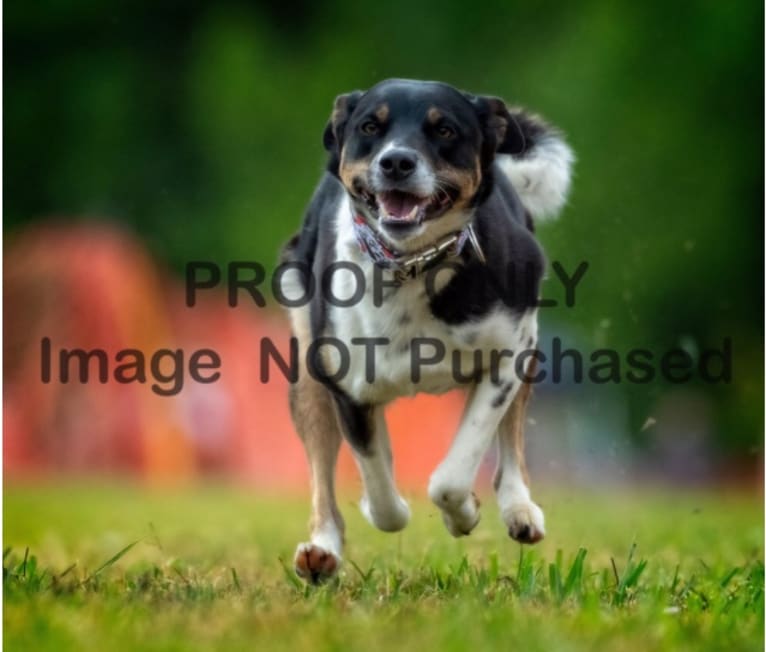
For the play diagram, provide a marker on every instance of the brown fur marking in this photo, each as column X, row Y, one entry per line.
column 467, row 181
column 511, row 429
column 381, row 113
column 313, row 413
column 350, row 170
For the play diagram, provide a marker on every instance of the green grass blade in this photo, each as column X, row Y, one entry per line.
column 112, row 560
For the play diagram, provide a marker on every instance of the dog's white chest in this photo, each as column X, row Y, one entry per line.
column 398, row 347
column 380, row 340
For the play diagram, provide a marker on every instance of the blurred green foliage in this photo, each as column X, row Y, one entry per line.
column 200, row 127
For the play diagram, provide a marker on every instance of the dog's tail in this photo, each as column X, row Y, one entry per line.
column 541, row 172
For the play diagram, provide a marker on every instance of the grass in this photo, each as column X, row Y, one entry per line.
column 93, row 567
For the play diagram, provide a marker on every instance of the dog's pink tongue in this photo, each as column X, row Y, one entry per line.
column 398, row 204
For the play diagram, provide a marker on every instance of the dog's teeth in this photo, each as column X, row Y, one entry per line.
column 413, row 213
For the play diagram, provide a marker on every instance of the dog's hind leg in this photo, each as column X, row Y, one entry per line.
column 381, row 504
column 317, row 424
column 523, row 518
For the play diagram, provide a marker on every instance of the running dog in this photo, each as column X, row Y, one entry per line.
column 429, row 194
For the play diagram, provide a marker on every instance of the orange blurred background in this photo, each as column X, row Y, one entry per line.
column 95, row 287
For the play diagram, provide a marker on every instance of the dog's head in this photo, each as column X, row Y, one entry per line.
column 415, row 156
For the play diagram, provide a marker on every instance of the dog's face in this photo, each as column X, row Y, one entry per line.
column 411, row 153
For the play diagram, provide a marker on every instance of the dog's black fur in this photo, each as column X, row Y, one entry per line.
column 514, row 263
column 419, row 171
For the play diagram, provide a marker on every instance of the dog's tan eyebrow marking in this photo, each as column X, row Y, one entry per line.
column 381, row 113
column 434, row 115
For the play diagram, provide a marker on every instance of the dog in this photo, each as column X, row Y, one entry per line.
column 429, row 196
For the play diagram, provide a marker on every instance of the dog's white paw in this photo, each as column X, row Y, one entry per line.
column 315, row 564
column 525, row 522
column 461, row 519
column 391, row 519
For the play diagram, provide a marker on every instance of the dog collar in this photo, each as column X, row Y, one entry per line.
column 410, row 265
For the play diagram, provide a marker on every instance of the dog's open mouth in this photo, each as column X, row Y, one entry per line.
column 396, row 208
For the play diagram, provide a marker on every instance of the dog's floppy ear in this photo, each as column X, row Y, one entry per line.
column 502, row 132
column 342, row 109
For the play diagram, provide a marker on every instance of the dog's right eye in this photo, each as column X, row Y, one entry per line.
column 369, row 128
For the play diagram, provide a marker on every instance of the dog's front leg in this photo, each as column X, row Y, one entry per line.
column 451, row 484
column 318, row 427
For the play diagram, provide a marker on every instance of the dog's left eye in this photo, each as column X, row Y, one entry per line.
column 446, row 132
column 369, row 128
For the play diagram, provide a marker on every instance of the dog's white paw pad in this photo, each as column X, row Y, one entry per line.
column 315, row 564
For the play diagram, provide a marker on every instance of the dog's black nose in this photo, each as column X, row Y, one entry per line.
column 398, row 164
